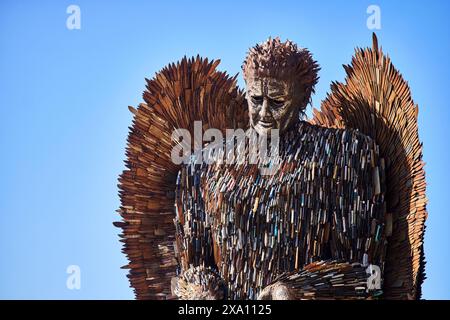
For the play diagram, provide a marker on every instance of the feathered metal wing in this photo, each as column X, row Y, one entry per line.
column 376, row 100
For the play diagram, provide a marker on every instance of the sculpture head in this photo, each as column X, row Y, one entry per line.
column 280, row 78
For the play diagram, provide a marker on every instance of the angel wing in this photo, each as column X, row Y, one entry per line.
column 376, row 100
column 178, row 95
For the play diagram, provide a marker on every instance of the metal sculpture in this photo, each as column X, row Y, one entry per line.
column 350, row 192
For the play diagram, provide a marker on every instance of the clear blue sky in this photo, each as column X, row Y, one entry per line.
column 64, row 117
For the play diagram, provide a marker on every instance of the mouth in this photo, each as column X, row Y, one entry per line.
column 266, row 124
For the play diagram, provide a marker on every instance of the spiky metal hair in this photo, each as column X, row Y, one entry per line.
column 284, row 61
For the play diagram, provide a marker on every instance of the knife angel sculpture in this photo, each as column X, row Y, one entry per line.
column 342, row 217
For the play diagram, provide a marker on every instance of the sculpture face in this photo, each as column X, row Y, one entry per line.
column 272, row 104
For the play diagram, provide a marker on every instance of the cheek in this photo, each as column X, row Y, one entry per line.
column 281, row 115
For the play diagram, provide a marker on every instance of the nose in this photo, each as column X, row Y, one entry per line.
column 265, row 110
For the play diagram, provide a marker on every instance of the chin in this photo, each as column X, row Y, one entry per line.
column 262, row 130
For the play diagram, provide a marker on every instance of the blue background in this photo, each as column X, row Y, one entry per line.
column 64, row 117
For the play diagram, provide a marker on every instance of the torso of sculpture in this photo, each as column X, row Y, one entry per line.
column 324, row 202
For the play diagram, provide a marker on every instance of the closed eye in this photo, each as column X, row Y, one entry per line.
column 277, row 103
column 257, row 99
